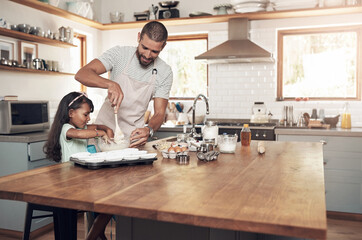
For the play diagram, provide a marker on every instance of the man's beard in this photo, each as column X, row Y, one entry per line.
column 139, row 56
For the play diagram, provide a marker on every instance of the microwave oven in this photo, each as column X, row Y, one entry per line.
column 23, row 116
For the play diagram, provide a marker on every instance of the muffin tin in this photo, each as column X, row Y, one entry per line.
column 129, row 156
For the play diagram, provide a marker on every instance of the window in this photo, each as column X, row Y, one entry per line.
column 319, row 64
column 189, row 75
column 79, row 54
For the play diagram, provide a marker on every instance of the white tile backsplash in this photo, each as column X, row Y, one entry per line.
column 233, row 88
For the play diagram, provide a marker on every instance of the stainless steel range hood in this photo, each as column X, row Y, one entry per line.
column 238, row 48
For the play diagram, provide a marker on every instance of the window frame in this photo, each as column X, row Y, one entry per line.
column 188, row 37
column 351, row 28
column 83, row 54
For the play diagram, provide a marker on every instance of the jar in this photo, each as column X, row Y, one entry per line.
column 245, row 135
column 210, row 131
column 227, row 143
column 346, row 117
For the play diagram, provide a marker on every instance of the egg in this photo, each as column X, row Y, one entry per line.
column 178, row 149
column 184, row 149
column 171, row 149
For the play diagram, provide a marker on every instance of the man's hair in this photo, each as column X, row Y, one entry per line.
column 156, row 31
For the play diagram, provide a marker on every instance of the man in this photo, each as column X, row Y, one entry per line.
column 137, row 75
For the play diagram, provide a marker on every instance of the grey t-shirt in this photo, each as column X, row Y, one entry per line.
column 116, row 59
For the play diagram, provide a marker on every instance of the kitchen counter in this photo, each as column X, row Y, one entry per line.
column 353, row 132
column 25, row 137
column 338, row 132
column 280, row 192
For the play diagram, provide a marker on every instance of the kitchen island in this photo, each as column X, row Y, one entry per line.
column 280, row 192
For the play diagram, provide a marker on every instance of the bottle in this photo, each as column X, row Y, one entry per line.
column 245, row 135
column 346, row 117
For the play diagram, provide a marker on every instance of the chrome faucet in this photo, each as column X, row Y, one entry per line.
column 193, row 132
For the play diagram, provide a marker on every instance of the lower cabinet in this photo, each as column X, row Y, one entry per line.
column 17, row 157
column 342, row 170
column 128, row 228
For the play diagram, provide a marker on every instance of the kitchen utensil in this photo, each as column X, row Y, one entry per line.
column 179, row 106
column 62, row 36
column 35, row 31
column 153, row 11
column 205, row 147
column 227, row 143
column 80, row 8
column 105, row 147
column 199, row 14
column 301, row 121
column 346, row 117
column 38, row 64
column 222, row 8
column 210, row 131
column 25, row 28
column 118, row 134
column 116, row 16
column 321, row 114
column 314, row 114
column 183, row 159
column 4, row 61
column 199, row 118
column 332, row 121
column 168, row 4
column 14, row 27
column 306, row 118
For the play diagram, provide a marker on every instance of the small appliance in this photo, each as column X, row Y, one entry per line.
column 23, row 116
column 259, row 114
column 170, row 12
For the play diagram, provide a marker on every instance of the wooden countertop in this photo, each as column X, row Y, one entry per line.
column 280, row 192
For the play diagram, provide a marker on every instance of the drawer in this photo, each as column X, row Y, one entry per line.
column 40, row 163
column 331, row 143
column 342, row 160
column 35, row 151
column 343, row 176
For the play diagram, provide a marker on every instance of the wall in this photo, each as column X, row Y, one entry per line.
column 33, row 86
column 233, row 88
column 129, row 7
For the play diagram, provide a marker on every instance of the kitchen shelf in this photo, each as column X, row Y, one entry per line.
column 310, row 12
column 34, row 38
column 28, row 70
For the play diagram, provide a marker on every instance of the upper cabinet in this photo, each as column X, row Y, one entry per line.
column 311, row 12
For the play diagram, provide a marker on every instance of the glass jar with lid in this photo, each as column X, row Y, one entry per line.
column 210, row 131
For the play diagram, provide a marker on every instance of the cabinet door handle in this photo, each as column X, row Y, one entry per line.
column 324, row 142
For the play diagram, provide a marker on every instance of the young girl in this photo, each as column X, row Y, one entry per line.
column 69, row 132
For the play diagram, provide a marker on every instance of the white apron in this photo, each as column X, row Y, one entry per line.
column 137, row 96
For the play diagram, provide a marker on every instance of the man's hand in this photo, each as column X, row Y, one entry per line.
column 139, row 137
column 115, row 95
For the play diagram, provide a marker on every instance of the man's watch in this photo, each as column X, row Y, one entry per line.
column 151, row 131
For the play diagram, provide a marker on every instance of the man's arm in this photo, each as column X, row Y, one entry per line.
column 89, row 76
column 158, row 117
column 142, row 134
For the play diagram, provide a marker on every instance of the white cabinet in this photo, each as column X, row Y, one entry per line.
column 342, row 170
column 17, row 157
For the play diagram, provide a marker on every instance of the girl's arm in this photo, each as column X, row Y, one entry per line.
column 85, row 133
column 109, row 132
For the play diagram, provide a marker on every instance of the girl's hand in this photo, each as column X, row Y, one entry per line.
column 110, row 133
column 106, row 139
